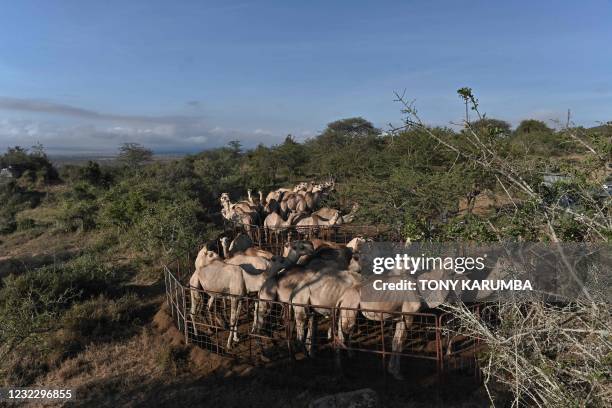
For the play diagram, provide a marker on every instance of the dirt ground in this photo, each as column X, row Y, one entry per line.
column 156, row 369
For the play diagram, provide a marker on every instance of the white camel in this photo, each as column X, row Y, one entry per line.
column 321, row 292
column 274, row 224
column 293, row 202
column 311, row 223
column 280, row 287
column 313, row 197
column 400, row 311
column 219, row 277
column 328, row 213
column 230, row 250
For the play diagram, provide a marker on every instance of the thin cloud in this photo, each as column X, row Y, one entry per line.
column 89, row 138
column 42, row 106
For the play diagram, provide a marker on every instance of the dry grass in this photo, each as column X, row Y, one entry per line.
column 544, row 354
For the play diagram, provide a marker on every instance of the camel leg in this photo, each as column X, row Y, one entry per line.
column 259, row 316
column 222, row 317
column 196, row 299
column 211, row 310
column 233, row 319
column 312, row 334
column 398, row 343
column 256, row 319
column 237, row 318
column 300, row 319
column 346, row 323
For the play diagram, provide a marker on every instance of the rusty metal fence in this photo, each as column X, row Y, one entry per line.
column 273, row 239
column 427, row 337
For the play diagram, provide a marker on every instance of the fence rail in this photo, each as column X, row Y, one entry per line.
column 273, row 239
column 427, row 337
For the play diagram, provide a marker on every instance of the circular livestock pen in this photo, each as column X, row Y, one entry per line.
column 427, row 337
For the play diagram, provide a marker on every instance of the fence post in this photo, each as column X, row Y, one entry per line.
column 439, row 354
column 183, row 289
column 382, row 341
column 288, row 332
column 336, row 347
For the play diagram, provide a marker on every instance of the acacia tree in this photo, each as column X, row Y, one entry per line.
column 134, row 155
column 543, row 354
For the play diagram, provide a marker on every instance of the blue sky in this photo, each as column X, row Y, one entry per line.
column 85, row 76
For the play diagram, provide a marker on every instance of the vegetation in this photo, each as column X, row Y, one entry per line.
column 480, row 183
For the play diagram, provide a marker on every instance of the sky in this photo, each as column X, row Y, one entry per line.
column 83, row 77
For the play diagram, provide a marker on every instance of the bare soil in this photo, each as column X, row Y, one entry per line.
column 154, row 368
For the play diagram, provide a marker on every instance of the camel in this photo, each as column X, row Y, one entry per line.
column 328, row 213
column 322, row 251
column 395, row 310
column 308, row 266
column 272, row 206
column 242, row 245
column 293, row 202
column 241, row 212
column 313, row 221
column 313, row 197
column 204, row 257
column 277, row 194
column 244, row 207
column 257, row 203
column 229, row 251
column 274, row 223
column 218, row 277
column 303, row 187
column 357, row 243
column 322, row 292
column 354, row 244
column 278, row 288
column 347, row 318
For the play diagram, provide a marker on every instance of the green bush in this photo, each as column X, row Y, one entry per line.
column 31, row 164
column 79, row 208
column 31, row 305
column 169, row 229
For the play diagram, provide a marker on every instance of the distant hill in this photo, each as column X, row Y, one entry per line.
column 62, row 160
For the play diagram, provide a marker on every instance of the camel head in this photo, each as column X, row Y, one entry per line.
column 205, row 257
column 272, row 206
column 278, row 264
column 356, row 243
column 225, row 245
column 329, row 184
column 303, row 186
column 296, row 249
column 317, row 188
column 333, row 220
column 354, row 265
column 225, row 200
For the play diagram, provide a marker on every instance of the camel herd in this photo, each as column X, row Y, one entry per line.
column 314, row 277
column 285, row 207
